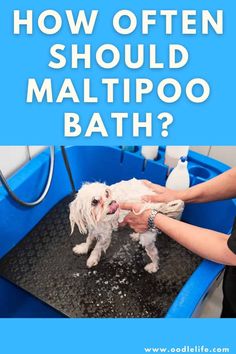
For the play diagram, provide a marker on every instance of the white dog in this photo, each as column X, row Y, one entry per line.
column 96, row 212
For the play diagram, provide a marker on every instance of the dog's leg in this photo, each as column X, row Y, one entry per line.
column 147, row 240
column 103, row 242
column 135, row 236
column 152, row 252
column 83, row 248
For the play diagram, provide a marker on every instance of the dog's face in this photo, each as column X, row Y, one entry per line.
column 92, row 205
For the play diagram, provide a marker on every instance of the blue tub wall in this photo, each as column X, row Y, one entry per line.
column 16, row 220
column 195, row 290
column 109, row 164
column 218, row 216
column 17, row 303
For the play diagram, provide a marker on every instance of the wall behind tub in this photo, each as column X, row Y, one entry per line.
column 14, row 157
column 225, row 154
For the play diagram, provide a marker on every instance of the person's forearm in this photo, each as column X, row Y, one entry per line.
column 219, row 188
column 208, row 244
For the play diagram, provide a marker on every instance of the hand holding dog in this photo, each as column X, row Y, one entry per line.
column 163, row 194
column 139, row 223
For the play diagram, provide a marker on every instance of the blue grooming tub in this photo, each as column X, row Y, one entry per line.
column 110, row 164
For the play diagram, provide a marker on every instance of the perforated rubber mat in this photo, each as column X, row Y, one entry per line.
column 44, row 265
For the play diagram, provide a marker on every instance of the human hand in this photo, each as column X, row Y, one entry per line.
column 137, row 222
column 163, row 194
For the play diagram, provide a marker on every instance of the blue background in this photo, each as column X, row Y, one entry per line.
column 211, row 57
column 112, row 336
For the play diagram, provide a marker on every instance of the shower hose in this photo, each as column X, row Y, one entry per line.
column 46, row 189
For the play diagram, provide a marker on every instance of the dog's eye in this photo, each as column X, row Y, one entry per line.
column 107, row 193
column 94, row 202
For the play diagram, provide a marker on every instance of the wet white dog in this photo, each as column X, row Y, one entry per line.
column 96, row 212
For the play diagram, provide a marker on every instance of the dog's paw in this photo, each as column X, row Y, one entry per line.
column 151, row 268
column 135, row 236
column 92, row 262
column 80, row 249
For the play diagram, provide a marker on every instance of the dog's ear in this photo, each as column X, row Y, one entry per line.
column 77, row 217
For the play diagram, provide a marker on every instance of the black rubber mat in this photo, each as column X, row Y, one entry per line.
column 44, row 265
